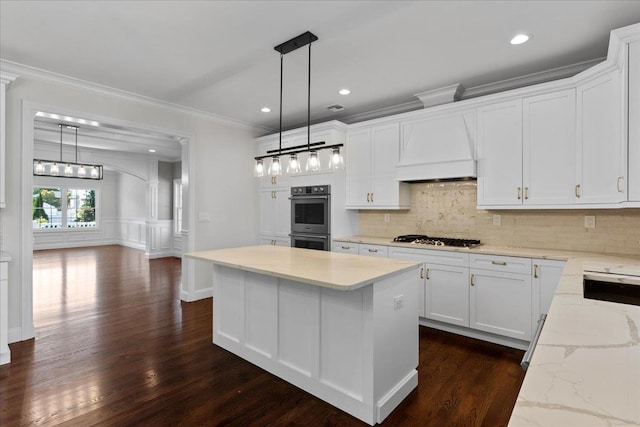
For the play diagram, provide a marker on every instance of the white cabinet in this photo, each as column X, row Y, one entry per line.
column 633, row 119
column 602, row 148
column 373, row 250
column 5, row 353
column 500, row 154
column 275, row 212
column 527, row 151
column 546, row 275
column 445, row 285
column 500, row 295
column 549, row 148
column 269, row 181
column 275, row 241
column 345, row 248
column 372, row 155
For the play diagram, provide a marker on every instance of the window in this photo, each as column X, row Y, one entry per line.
column 64, row 208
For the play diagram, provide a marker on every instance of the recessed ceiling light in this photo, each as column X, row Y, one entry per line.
column 344, row 91
column 265, row 109
column 520, row 38
column 151, row 150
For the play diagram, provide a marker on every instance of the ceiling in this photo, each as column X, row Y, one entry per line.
column 218, row 56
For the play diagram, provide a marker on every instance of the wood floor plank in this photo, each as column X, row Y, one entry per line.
column 115, row 347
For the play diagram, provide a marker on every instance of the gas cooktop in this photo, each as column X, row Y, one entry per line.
column 419, row 239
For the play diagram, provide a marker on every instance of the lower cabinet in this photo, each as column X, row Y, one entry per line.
column 500, row 296
column 345, row 248
column 546, row 275
column 374, row 250
column 447, row 294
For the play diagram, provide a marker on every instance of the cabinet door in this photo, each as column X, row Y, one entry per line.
column 385, row 148
column 447, row 294
column 549, row 148
column 546, row 275
column 500, row 303
column 500, row 154
column 358, row 167
column 282, row 211
column 633, row 76
column 601, row 167
column 267, row 212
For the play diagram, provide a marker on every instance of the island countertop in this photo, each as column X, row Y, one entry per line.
column 320, row 268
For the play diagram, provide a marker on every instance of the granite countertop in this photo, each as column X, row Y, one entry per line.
column 320, row 268
column 585, row 370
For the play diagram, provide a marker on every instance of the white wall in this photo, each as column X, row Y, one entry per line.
column 165, row 190
column 132, row 197
column 227, row 192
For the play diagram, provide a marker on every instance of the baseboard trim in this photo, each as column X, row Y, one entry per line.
column 76, row 244
column 14, row 335
column 160, row 255
column 472, row 333
column 396, row 395
column 131, row 245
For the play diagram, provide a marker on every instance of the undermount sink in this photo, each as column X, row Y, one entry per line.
column 618, row 288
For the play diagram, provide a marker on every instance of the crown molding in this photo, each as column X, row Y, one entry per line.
column 382, row 112
column 444, row 95
column 6, row 77
column 10, row 67
column 531, row 79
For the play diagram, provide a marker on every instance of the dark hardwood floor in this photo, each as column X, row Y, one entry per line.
column 115, row 346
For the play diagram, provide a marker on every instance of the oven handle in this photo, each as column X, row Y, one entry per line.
column 308, row 197
column 314, row 236
column 534, row 342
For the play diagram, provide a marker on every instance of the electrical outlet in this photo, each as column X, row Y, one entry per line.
column 589, row 221
column 204, row 217
column 387, row 217
column 497, row 220
column 397, row 302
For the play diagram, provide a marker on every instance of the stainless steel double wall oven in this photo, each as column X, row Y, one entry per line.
column 310, row 217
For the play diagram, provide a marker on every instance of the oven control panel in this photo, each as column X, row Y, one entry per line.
column 311, row 190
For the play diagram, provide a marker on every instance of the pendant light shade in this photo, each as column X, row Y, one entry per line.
column 71, row 169
column 259, row 168
column 275, row 169
column 294, row 165
column 313, row 163
column 336, row 162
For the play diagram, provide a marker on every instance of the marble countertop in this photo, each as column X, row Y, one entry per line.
column 320, row 268
column 585, row 370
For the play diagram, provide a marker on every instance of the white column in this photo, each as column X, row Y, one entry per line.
column 5, row 80
column 152, row 242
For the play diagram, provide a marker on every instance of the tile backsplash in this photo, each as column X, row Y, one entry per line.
column 448, row 209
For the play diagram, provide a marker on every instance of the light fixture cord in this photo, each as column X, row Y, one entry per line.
column 76, row 144
column 60, row 126
column 281, row 70
column 309, row 100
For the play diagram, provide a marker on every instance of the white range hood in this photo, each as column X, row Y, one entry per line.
column 438, row 147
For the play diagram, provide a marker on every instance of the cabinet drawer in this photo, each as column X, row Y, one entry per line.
column 459, row 259
column 500, row 263
column 374, row 250
column 346, row 248
column 3, row 271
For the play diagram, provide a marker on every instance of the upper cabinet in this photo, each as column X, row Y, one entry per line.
column 372, row 155
column 633, row 119
column 601, row 176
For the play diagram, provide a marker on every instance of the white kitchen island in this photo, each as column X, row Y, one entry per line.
column 341, row 327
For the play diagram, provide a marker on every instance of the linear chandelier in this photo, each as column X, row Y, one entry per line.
column 70, row 169
column 313, row 161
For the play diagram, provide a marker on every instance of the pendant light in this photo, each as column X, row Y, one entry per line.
column 71, row 169
column 313, row 160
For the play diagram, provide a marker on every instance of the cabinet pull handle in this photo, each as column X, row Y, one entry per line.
column 428, row 273
column 498, row 263
column 368, row 199
column 472, row 283
column 519, row 190
column 620, row 178
column 275, row 180
column 422, row 272
column 526, row 193
column 373, row 250
column 578, row 191
column 346, row 247
column 372, row 197
column 535, row 271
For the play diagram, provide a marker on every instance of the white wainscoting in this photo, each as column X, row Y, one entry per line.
column 133, row 233
column 177, row 245
column 160, row 238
